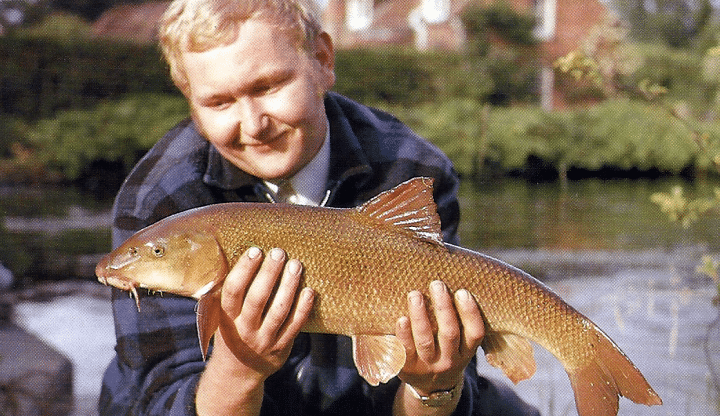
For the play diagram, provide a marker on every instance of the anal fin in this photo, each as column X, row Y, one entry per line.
column 511, row 353
column 208, row 317
column 378, row 358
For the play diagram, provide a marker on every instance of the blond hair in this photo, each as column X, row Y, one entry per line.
column 200, row 25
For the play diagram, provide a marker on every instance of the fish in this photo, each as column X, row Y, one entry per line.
column 361, row 263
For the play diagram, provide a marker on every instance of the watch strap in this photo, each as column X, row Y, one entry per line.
column 437, row 398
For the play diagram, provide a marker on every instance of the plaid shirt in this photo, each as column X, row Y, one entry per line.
column 158, row 361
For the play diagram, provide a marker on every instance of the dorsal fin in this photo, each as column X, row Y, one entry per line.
column 409, row 206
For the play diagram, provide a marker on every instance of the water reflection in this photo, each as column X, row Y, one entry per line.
column 52, row 232
column 588, row 214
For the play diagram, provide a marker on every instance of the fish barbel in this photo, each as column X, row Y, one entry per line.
column 362, row 263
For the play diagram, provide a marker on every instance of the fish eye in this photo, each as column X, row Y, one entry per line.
column 133, row 251
column 158, row 250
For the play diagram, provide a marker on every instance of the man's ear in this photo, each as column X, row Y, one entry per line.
column 324, row 54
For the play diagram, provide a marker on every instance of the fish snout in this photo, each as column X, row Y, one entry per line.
column 101, row 271
column 109, row 269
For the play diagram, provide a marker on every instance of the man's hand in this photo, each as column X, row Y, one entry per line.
column 437, row 363
column 260, row 320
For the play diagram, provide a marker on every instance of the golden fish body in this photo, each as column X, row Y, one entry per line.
column 362, row 263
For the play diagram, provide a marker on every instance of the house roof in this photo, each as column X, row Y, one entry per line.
column 131, row 22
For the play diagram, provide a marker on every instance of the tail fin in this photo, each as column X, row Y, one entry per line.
column 598, row 385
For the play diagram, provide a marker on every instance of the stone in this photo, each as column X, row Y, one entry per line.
column 35, row 379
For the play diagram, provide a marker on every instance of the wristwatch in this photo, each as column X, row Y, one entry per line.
column 437, row 398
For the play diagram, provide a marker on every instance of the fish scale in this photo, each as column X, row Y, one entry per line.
column 362, row 263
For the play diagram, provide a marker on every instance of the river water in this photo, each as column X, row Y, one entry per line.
column 601, row 245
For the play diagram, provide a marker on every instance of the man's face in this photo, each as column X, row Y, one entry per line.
column 259, row 100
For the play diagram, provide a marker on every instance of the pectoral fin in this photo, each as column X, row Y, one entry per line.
column 208, row 317
column 512, row 354
column 378, row 358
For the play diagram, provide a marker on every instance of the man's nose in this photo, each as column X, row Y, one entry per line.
column 253, row 117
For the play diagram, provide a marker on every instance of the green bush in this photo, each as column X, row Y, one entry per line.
column 617, row 134
column 681, row 71
column 407, row 77
column 39, row 76
column 117, row 131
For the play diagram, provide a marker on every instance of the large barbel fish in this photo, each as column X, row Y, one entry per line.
column 362, row 263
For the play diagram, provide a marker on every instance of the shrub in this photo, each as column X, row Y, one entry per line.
column 118, row 131
column 617, row 134
column 39, row 76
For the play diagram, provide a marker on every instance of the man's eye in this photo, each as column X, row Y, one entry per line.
column 265, row 89
column 219, row 105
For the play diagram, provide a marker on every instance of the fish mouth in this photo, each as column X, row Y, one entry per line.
column 108, row 275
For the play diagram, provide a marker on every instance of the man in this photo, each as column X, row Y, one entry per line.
column 256, row 74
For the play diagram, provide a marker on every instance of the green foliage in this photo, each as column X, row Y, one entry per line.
column 391, row 75
column 675, row 23
column 501, row 19
column 118, row 131
column 681, row 72
column 621, row 134
column 58, row 25
column 406, row 77
column 39, row 76
column 12, row 131
column 66, row 71
column 512, row 63
column 683, row 210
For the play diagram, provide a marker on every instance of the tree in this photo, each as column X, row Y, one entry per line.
column 674, row 22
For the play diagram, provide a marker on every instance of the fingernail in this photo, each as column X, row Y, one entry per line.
column 437, row 286
column 462, row 295
column 307, row 294
column 415, row 298
column 403, row 322
column 277, row 254
column 253, row 252
column 294, row 266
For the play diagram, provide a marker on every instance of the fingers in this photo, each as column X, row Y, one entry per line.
column 263, row 312
column 260, row 293
column 421, row 327
column 459, row 323
column 448, row 337
column 238, row 281
column 473, row 327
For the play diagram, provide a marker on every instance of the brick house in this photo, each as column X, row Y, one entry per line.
column 435, row 24
column 423, row 24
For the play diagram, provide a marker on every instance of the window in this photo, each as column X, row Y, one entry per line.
column 545, row 13
column 359, row 14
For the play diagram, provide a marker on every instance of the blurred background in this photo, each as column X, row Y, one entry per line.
column 586, row 133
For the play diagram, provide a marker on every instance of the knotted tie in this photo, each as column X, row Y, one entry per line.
column 285, row 192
